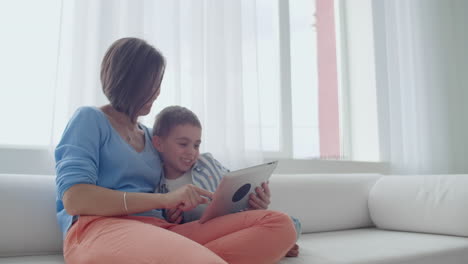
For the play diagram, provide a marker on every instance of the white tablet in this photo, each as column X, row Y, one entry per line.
column 232, row 194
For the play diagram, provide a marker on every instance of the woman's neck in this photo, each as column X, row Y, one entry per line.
column 119, row 117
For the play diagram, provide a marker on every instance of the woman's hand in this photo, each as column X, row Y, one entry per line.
column 174, row 215
column 187, row 197
column 261, row 199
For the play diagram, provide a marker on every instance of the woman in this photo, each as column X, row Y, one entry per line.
column 107, row 171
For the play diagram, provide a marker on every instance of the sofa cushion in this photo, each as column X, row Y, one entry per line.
column 50, row 259
column 28, row 222
column 430, row 204
column 324, row 202
column 373, row 246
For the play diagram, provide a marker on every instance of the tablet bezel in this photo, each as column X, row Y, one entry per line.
column 223, row 203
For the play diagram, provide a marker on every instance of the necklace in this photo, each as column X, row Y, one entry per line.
column 122, row 124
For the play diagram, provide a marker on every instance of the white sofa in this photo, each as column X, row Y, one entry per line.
column 373, row 219
column 346, row 218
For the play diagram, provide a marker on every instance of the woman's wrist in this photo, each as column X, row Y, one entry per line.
column 161, row 200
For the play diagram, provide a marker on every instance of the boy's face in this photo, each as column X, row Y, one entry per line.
column 180, row 149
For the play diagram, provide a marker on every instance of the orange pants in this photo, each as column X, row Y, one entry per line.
column 258, row 236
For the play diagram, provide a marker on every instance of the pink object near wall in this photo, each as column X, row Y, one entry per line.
column 329, row 130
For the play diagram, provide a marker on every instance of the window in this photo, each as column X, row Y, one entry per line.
column 325, row 106
column 290, row 104
column 30, row 32
column 299, row 120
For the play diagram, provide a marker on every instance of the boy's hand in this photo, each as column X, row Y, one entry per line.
column 261, row 199
column 174, row 215
column 187, row 197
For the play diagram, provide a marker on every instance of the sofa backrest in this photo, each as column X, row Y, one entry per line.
column 28, row 225
column 324, row 202
column 429, row 204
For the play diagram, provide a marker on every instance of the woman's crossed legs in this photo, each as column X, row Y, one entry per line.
column 256, row 236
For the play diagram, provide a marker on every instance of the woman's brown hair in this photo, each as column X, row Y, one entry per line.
column 129, row 71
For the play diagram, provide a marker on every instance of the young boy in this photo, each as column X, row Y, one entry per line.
column 177, row 137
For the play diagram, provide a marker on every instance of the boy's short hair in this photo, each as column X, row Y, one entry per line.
column 171, row 117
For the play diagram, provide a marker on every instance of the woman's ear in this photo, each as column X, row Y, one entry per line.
column 157, row 143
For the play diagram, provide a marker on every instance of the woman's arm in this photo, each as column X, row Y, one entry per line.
column 88, row 199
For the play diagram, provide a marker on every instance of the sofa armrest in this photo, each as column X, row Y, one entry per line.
column 28, row 222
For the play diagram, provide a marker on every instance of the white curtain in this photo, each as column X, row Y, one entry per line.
column 422, row 69
column 210, row 47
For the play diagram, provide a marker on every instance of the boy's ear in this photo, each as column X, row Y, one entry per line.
column 157, row 143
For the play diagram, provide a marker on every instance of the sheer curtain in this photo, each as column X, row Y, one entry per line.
column 422, row 92
column 210, row 47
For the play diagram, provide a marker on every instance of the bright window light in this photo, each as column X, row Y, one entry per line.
column 304, row 79
column 269, row 73
column 303, row 69
column 30, row 32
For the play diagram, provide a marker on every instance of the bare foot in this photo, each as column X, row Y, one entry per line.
column 294, row 251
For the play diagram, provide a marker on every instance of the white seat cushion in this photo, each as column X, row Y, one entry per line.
column 428, row 204
column 373, row 246
column 50, row 259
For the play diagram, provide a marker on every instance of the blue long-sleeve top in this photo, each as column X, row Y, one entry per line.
column 91, row 151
